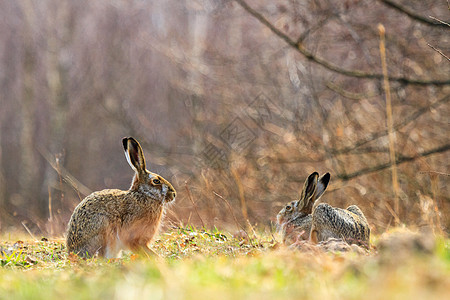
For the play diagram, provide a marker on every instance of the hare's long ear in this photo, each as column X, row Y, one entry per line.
column 309, row 189
column 322, row 185
column 134, row 154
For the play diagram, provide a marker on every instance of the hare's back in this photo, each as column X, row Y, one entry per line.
column 357, row 211
column 105, row 202
column 338, row 218
column 95, row 210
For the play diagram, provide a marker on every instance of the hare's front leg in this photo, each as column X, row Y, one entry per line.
column 141, row 247
column 313, row 238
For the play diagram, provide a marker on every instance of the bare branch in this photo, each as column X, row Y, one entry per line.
column 349, row 95
column 400, row 159
column 328, row 65
column 409, row 13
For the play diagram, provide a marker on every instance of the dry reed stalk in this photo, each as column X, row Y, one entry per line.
column 206, row 191
column 234, row 216
column 392, row 212
column 50, row 212
column 241, row 193
column 193, row 203
column 434, row 190
column 390, row 123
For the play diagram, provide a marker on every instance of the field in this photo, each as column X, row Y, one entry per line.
column 201, row 264
column 235, row 103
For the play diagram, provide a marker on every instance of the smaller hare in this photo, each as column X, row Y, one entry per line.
column 295, row 218
column 326, row 221
column 112, row 220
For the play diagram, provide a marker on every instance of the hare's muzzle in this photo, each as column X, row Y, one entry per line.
column 171, row 194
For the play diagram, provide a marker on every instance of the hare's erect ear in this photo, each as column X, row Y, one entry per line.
column 322, row 185
column 309, row 189
column 134, row 154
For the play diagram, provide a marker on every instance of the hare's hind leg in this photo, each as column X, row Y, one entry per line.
column 323, row 224
column 85, row 247
column 90, row 248
column 361, row 232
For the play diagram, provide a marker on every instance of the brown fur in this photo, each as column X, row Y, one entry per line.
column 109, row 221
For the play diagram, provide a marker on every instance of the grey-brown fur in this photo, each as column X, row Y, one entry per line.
column 348, row 224
column 298, row 221
column 109, row 221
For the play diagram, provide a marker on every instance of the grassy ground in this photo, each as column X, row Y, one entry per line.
column 198, row 265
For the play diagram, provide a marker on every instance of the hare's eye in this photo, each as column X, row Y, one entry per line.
column 288, row 208
column 156, row 181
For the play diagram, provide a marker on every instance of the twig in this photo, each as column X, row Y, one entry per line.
column 328, row 65
column 319, row 24
column 193, row 203
column 29, row 231
column 438, row 51
column 409, row 13
column 434, row 173
column 389, row 208
column 73, row 182
column 440, row 21
column 349, row 95
column 234, row 216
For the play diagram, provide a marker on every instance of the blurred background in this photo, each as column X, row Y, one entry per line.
column 233, row 102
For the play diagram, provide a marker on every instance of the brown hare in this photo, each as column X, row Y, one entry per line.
column 325, row 221
column 111, row 220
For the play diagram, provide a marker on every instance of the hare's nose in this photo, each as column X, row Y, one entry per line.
column 172, row 190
